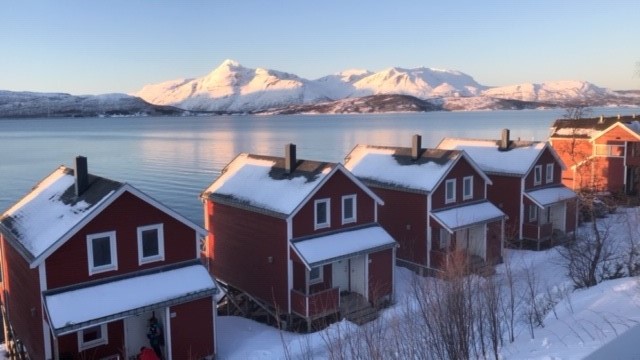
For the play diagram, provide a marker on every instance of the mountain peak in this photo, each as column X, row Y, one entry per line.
column 229, row 63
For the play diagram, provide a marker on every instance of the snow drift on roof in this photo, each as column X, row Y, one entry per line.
column 517, row 160
column 248, row 179
column 96, row 302
column 379, row 164
column 42, row 217
column 544, row 197
column 324, row 249
column 465, row 216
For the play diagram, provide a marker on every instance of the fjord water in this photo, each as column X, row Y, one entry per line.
column 173, row 159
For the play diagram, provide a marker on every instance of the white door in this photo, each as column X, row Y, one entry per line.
column 557, row 216
column 358, row 275
column 478, row 241
column 340, row 274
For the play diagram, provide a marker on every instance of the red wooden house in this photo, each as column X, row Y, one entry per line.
column 602, row 154
column 526, row 185
column 87, row 262
column 435, row 203
column 298, row 237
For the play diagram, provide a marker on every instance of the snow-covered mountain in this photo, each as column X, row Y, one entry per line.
column 551, row 92
column 32, row 104
column 232, row 88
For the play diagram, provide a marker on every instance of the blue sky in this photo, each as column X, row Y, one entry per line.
column 100, row 46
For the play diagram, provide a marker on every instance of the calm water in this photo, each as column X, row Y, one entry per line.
column 174, row 158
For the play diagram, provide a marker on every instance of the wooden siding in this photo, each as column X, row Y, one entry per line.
column 68, row 344
column 494, row 242
column 615, row 134
column 337, row 186
column 380, row 275
column 243, row 243
column 505, row 193
column 572, row 152
column 404, row 217
column 545, row 158
column 23, row 301
column 69, row 264
column 458, row 172
column 571, row 220
column 192, row 329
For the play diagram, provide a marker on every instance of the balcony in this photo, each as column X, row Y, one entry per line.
column 315, row 305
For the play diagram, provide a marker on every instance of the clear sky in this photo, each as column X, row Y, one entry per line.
column 101, row 46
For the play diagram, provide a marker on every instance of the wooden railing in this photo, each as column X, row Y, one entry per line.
column 537, row 232
column 315, row 305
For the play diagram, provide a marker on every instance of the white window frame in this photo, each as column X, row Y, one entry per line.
column 320, row 277
column 607, row 150
column 327, row 223
column 467, row 180
column 537, row 175
column 533, row 213
column 103, row 340
column 354, row 206
column 158, row 257
column 447, row 198
column 549, row 174
column 113, row 249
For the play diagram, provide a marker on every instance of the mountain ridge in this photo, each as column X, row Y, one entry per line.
column 232, row 88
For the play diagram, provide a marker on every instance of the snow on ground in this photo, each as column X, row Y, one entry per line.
column 603, row 321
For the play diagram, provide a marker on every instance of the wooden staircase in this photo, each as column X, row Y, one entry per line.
column 355, row 308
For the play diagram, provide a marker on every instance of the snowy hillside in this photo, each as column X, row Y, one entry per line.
column 31, row 104
column 232, row 88
column 553, row 92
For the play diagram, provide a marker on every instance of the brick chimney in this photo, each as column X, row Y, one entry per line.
column 290, row 158
column 81, row 175
column 416, row 147
column 504, row 140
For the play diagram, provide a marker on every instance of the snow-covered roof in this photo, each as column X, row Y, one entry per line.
column 51, row 213
column 261, row 182
column 466, row 216
column 51, row 209
column 344, row 244
column 589, row 127
column 394, row 166
column 516, row 160
column 548, row 196
column 93, row 305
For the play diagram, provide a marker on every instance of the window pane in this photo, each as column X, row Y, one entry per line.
column 91, row 334
column 101, row 251
column 467, row 187
column 321, row 212
column 348, row 208
column 314, row 273
column 150, row 243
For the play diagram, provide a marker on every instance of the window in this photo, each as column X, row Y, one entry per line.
column 101, row 250
column 92, row 337
column 533, row 213
column 537, row 175
column 609, row 150
column 348, row 209
column 445, row 239
column 150, row 243
column 450, row 191
column 549, row 174
column 322, row 219
column 315, row 275
column 467, row 188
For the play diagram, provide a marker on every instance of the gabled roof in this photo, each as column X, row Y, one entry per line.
column 51, row 213
column 261, row 183
column 633, row 128
column 395, row 167
column 517, row 160
column 585, row 128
